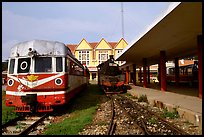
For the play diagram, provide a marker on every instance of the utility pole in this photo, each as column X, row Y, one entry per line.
column 122, row 20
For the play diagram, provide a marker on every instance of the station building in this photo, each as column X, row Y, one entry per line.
column 175, row 35
column 92, row 54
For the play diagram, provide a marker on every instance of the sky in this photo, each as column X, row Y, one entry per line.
column 70, row 22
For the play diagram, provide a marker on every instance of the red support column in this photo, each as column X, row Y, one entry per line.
column 148, row 74
column 140, row 75
column 134, row 74
column 127, row 75
column 163, row 70
column 176, row 71
column 200, row 64
column 144, row 72
column 159, row 74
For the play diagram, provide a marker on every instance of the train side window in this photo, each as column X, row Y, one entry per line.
column 24, row 65
column 73, row 68
column 81, row 71
column 66, row 65
column 43, row 64
column 11, row 66
column 59, row 64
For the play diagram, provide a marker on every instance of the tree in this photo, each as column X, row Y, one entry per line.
column 5, row 65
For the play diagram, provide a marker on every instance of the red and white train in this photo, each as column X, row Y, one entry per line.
column 43, row 74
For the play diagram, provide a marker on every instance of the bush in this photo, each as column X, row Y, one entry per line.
column 142, row 98
column 171, row 115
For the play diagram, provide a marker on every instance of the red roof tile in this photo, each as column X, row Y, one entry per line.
column 72, row 47
column 93, row 44
column 113, row 44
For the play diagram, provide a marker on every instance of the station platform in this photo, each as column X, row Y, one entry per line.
column 189, row 107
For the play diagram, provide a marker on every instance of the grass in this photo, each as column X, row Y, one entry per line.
column 152, row 120
column 81, row 110
column 7, row 112
column 131, row 96
column 73, row 124
column 143, row 98
column 168, row 114
column 128, row 94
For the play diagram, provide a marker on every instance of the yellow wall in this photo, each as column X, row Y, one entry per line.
column 83, row 45
column 102, row 45
column 120, row 46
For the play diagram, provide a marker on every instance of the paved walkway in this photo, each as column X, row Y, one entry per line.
column 189, row 106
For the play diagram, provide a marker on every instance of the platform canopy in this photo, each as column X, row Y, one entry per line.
column 175, row 32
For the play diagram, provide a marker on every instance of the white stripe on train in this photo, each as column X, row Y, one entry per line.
column 37, row 83
column 38, row 93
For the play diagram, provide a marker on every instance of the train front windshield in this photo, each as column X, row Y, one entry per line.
column 23, row 65
column 35, row 65
column 43, row 64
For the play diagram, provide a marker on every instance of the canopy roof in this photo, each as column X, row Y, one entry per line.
column 176, row 33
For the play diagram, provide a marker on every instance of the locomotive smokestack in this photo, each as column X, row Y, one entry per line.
column 111, row 58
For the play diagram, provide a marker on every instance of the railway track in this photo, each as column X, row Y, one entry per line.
column 24, row 124
column 150, row 122
column 121, row 122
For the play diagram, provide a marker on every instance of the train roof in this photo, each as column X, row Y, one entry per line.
column 41, row 47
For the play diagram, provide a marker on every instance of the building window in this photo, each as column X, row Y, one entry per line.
column 119, row 51
column 84, row 57
column 102, row 56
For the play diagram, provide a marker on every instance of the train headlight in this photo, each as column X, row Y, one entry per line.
column 10, row 82
column 24, row 65
column 58, row 81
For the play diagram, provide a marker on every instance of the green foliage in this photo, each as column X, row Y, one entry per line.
column 171, row 115
column 7, row 112
column 134, row 97
column 152, row 120
column 18, row 126
column 142, row 98
column 128, row 94
column 4, row 65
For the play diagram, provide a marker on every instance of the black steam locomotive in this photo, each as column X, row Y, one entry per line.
column 110, row 77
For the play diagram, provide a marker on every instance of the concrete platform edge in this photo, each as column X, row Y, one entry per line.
column 193, row 117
